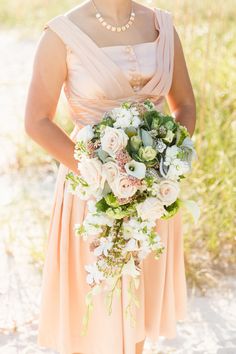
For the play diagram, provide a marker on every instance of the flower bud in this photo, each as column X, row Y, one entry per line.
column 135, row 142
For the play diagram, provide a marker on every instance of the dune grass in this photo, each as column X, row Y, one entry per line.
column 207, row 31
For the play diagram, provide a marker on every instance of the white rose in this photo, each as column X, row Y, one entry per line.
column 168, row 191
column 111, row 171
column 85, row 134
column 91, row 171
column 151, row 209
column 113, row 140
column 123, row 186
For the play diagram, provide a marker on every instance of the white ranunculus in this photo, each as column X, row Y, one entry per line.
column 171, row 154
column 113, row 140
column 122, row 117
column 91, row 171
column 136, row 169
column 168, row 191
column 123, row 186
column 188, row 143
column 85, row 134
column 177, row 168
column 125, row 118
column 135, row 121
column 111, row 171
column 151, row 209
column 182, row 166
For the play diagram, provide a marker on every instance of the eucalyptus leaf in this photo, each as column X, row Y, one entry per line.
column 146, row 138
column 102, row 154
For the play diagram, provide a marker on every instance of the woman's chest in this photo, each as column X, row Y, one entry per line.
column 137, row 62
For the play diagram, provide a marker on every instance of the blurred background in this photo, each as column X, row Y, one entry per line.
column 27, row 176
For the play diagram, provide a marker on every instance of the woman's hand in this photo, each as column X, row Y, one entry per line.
column 49, row 74
column 181, row 97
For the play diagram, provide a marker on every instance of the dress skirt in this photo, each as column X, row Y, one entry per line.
column 162, row 292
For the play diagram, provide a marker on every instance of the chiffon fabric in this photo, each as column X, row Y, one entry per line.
column 100, row 78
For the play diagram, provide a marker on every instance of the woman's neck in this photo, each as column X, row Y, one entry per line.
column 114, row 10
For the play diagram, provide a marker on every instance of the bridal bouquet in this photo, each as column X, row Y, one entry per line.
column 130, row 166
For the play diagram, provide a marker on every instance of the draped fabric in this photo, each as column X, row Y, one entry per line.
column 95, row 84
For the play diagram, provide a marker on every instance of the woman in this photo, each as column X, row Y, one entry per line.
column 100, row 64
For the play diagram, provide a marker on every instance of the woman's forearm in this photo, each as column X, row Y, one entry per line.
column 186, row 115
column 54, row 140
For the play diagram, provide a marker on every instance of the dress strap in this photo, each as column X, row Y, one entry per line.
column 101, row 67
column 165, row 52
column 61, row 26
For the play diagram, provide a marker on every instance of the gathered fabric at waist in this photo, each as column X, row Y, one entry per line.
column 86, row 111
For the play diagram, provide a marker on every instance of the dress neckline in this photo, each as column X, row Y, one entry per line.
column 94, row 52
column 157, row 27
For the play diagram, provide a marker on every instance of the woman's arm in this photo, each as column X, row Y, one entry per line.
column 49, row 74
column 181, row 97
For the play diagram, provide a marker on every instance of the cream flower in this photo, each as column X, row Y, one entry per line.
column 151, row 209
column 91, row 171
column 85, row 134
column 168, row 191
column 123, row 186
column 113, row 140
column 111, row 171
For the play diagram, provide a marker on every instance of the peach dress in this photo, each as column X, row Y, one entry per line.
column 100, row 78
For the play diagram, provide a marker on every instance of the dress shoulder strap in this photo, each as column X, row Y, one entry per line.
column 67, row 34
column 165, row 52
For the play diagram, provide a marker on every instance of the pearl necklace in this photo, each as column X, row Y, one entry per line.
column 111, row 27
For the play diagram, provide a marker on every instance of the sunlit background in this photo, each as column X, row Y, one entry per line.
column 27, row 176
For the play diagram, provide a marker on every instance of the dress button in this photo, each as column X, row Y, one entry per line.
column 128, row 48
column 131, row 58
column 135, row 87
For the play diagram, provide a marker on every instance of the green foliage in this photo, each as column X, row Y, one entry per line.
column 111, row 200
column 172, row 209
column 102, row 205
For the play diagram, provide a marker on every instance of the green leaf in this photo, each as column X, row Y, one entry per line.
column 102, row 205
column 181, row 134
column 172, row 209
column 111, row 200
column 102, row 154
